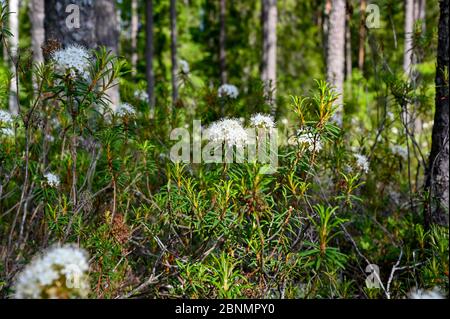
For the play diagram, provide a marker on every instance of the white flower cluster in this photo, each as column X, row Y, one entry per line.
column 435, row 293
column 125, row 109
column 74, row 59
column 52, row 179
column 228, row 90
column 229, row 131
column 262, row 121
column 362, row 162
column 141, row 95
column 60, row 273
column 184, row 66
column 5, row 121
column 307, row 136
column 399, row 151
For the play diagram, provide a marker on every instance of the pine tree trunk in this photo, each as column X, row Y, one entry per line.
column 173, row 46
column 37, row 16
column 98, row 23
column 348, row 45
column 409, row 25
column 107, row 34
column 222, row 41
column 14, row 47
column 269, row 58
column 419, row 17
column 57, row 29
column 325, row 26
column 336, row 53
column 420, row 12
column 134, row 35
column 149, row 57
column 438, row 171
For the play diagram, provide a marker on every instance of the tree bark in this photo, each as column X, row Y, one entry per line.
column 14, row 47
column 438, row 171
column 362, row 35
column 134, row 35
column 409, row 28
column 336, row 53
column 37, row 16
column 173, row 47
column 222, row 41
column 149, row 57
column 269, row 54
column 107, row 31
column 98, row 27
